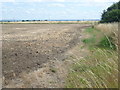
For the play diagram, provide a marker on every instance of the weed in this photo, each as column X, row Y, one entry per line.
column 53, row 70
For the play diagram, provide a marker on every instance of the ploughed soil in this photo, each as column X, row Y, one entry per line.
column 26, row 47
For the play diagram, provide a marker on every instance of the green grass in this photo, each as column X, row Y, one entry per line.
column 107, row 42
column 89, row 40
column 98, row 39
column 89, row 30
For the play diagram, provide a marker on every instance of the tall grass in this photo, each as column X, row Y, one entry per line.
column 103, row 35
column 100, row 68
column 110, row 31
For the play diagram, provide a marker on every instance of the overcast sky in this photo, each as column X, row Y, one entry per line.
column 53, row 9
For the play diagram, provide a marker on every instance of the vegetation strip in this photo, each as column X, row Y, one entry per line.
column 99, row 69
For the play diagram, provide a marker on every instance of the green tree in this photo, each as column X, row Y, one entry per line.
column 112, row 14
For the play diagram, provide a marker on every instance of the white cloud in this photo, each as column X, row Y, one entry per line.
column 59, row 0
column 7, row 0
column 48, row 0
column 57, row 5
column 0, row 12
column 105, row 0
column 28, row 12
column 33, row 0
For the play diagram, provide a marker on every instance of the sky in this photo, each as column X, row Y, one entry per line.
column 53, row 9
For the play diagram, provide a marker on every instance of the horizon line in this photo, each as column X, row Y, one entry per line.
column 46, row 19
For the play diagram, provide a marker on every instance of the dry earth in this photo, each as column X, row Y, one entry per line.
column 35, row 55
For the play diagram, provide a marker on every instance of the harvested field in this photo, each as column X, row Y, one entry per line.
column 26, row 47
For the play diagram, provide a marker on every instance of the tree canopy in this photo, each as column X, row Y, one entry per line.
column 112, row 14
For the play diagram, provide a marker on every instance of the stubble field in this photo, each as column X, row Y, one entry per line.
column 25, row 47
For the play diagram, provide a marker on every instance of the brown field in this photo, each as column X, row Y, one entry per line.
column 26, row 47
column 52, row 22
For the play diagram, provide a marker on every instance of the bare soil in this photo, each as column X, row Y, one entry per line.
column 27, row 48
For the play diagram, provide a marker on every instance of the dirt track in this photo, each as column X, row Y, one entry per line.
column 27, row 46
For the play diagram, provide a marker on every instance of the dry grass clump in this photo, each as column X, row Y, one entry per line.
column 108, row 27
column 109, row 30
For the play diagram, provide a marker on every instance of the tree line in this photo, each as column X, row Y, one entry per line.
column 112, row 14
